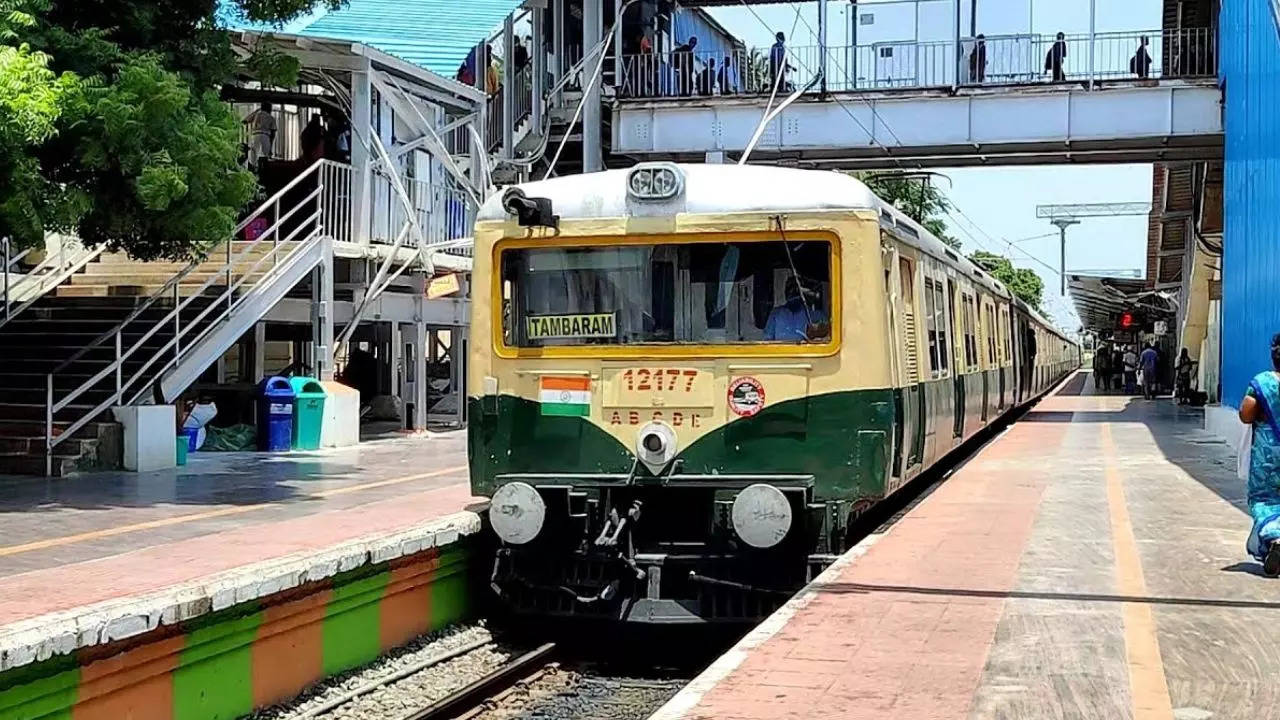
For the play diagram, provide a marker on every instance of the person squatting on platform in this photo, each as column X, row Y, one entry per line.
column 1261, row 444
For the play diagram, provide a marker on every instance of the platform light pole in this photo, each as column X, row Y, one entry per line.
column 1062, row 225
column 1064, row 216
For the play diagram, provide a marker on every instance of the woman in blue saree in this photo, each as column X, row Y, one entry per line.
column 1257, row 410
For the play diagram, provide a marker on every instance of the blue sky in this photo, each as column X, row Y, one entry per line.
column 1002, row 201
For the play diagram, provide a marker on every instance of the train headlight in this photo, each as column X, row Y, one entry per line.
column 761, row 515
column 517, row 512
column 656, row 445
column 655, row 181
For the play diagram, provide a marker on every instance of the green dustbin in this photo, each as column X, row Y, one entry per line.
column 308, row 412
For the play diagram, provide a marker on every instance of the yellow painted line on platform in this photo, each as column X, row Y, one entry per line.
column 1148, row 688
column 210, row 514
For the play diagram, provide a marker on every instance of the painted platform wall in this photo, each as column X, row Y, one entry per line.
column 227, row 664
column 1250, row 68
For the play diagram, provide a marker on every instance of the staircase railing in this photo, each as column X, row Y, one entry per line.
column 19, row 290
column 305, row 215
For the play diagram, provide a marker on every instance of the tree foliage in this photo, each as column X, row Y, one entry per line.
column 111, row 126
column 1023, row 283
column 917, row 197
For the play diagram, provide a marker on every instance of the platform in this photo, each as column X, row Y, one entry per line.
column 97, row 559
column 1087, row 563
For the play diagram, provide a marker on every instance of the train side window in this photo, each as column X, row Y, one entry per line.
column 991, row 338
column 970, row 334
column 940, row 309
column 931, row 326
column 907, row 276
column 951, row 323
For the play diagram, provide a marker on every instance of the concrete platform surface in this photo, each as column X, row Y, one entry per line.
column 1087, row 563
column 114, row 555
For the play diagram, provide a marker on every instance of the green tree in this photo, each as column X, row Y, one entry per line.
column 1024, row 284
column 111, row 126
column 917, row 197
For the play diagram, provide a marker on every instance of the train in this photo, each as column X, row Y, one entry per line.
column 688, row 382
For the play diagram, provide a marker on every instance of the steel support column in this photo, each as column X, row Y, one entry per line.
column 559, row 46
column 592, row 31
column 361, row 159
column 822, row 44
column 1093, row 31
column 480, row 155
column 322, row 312
column 508, row 87
column 538, row 55
column 959, row 49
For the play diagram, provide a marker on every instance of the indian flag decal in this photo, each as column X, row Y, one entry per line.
column 566, row 396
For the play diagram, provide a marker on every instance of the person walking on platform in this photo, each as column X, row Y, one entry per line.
column 1149, row 361
column 1261, row 444
column 1117, row 367
column 1102, row 369
column 1130, row 370
column 1182, row 377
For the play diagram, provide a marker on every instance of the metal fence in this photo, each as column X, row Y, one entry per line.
column 441, row 210
column 979, row 61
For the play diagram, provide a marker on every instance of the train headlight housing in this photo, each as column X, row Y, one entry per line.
column 761, row 515
column 656, row 445
column 655, row 181
column 517, row 512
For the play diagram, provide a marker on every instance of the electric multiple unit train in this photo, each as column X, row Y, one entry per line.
column 687, row 381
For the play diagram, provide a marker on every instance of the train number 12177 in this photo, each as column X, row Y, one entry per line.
column 658, row 379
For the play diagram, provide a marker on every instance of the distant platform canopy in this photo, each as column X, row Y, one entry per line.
column 433, row 34
column 1101, row 301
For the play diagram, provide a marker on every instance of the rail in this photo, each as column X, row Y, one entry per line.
column 1027, row 59
column 301, row 217
column 18, row 290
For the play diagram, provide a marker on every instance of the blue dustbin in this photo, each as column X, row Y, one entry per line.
column 275, row 415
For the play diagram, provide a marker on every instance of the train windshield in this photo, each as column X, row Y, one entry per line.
column 731, row 292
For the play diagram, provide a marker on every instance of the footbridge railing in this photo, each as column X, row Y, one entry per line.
column 981, row 61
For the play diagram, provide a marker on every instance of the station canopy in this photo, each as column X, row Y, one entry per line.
column 432, row 34
column 1101, row 301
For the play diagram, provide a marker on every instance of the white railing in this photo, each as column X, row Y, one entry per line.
column 293, row 213
column 988, row 61
column 20, row 287
column 442, row 211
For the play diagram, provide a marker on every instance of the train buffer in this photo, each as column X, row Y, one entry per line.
column 1087, row 563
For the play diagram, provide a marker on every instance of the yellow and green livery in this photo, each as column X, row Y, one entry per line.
column 680, row 400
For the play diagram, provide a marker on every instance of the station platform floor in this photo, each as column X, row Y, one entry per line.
column 1086, row 563
column 74, row 544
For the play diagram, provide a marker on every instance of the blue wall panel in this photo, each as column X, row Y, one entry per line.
column 1250, row 69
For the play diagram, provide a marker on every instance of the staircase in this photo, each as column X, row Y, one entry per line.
column 121, row 332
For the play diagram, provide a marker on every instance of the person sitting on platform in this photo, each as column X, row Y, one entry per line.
column 1262, row 445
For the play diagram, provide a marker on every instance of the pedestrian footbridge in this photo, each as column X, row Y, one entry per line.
column 928, row 109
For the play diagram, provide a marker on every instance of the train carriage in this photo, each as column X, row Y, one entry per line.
column 688, row 380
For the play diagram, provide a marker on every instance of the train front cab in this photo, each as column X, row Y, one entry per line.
column 698, row 471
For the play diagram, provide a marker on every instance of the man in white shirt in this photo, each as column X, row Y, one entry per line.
column 261, row 125
column 1130, row 370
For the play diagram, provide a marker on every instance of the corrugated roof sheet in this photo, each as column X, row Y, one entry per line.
column 435, row 34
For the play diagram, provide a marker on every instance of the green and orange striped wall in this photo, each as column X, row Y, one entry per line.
column 225, row 665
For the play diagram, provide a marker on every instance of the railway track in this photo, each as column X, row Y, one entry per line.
column 470, row 701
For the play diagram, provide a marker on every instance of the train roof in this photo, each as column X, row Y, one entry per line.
column 721, row 188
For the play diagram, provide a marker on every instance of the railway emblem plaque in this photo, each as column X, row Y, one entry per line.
column 746, row 396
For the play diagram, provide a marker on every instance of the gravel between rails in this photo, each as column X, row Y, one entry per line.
column 576, row 694
column 412, row 692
